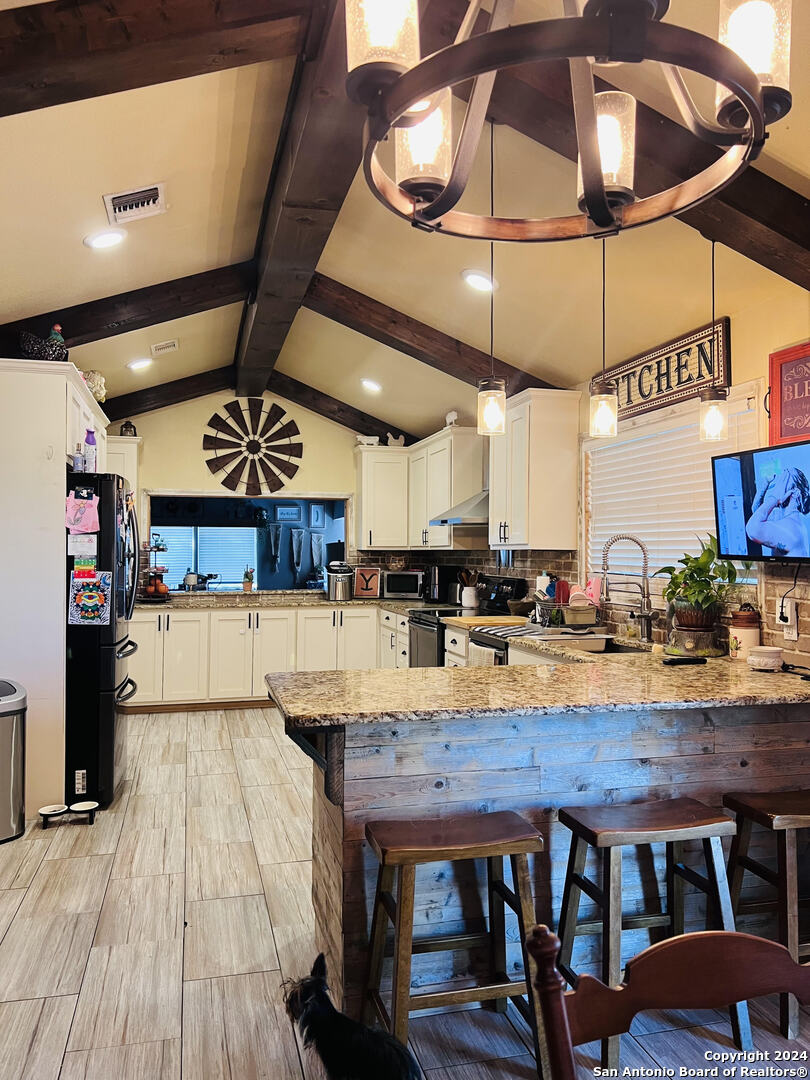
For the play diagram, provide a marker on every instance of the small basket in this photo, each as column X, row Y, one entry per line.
column 549, row 613
column 581, row 615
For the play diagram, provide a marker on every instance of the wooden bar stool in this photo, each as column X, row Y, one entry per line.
column 609, row 829
column 783, row 812
column 400, row 847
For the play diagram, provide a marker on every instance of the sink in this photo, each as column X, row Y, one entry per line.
column 620, row 648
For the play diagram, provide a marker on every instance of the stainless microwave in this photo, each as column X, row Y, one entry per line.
column 403, row 584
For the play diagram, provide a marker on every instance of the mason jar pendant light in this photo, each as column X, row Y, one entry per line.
column 604, row 392
column 424, row 151
column 382, row 42
column 616, row 133
column 759, row 32
column 714, row 399
column 492, row 390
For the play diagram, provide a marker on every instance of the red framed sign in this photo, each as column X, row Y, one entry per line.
column 790, row 395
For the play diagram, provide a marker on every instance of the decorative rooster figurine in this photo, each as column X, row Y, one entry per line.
column 35, row 348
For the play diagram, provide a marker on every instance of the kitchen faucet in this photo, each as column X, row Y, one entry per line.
column 646, row 613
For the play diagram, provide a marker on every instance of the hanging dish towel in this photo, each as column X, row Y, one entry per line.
column 297, row 536
column 481, row 656
column 317, row 549
column 274, row 536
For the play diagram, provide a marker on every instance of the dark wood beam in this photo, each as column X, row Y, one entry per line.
column 407, row 335
column 362, row 422
column 171, row 393
column 134, row 310
column 68, row 50
column 756, row 216
column 319, row 157
column 209, row 382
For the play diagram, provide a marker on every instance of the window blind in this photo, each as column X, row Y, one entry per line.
column 655, row 481
column 226, row 552
column 180, row 556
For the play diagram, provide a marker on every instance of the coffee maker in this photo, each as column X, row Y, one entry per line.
column 437, row 582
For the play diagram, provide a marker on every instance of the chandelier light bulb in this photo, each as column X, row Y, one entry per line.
column 492, row 406
column 714, row 415
column 604, row 414
column 381, row 33
column 424, row 152
column 616, row 135
column 759, row 31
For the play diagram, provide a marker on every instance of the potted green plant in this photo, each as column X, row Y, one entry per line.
column 697, row 590
column 247, row 579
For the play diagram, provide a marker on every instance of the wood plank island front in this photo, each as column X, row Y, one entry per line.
column 428, row 742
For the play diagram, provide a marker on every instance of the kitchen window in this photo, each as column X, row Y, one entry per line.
column 208, row 550
column 655, row 482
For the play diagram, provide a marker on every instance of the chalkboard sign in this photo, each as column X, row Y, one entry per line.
column 790, row 395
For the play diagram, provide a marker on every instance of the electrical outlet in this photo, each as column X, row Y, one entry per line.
column 787, row 618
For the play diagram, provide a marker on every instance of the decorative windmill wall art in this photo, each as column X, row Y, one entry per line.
column 253, row 446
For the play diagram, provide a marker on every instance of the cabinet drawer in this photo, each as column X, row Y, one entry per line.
column 402, row 624
column 454, row 661
column 455, row 643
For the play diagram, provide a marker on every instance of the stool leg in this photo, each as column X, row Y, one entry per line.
column 403, row 949
column 526, row 921
column 674, row 888
column 611, row 939
column 376, row 945
column 569, row 909
column 721, row 897
column 788, row 894
column 497, row 927
column 739, row 849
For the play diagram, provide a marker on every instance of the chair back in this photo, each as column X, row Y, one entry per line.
column 709, row 970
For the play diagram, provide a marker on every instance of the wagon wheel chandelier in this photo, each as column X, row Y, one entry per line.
column 750, row 65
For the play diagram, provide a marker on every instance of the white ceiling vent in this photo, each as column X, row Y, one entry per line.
column 130, row 205
column 164, row 347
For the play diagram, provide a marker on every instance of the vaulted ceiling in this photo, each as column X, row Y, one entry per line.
column 237, row 107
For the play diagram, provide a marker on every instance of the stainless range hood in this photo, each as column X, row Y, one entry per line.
column 472, row 511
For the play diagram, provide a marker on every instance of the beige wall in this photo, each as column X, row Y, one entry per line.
column 172, row 458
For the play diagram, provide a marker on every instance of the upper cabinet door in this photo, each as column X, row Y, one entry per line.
column 231, row 668
column 417, row 499
column 357, row 638
column 517, row 437
column 317, row 639
column 185, row 656
column 498, row 488
column 274, row 638
column 439, row 491
column 384, row 500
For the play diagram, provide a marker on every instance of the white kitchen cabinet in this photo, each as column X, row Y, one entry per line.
column 274, row 645
column 388, row 649
column 382, row 488
column 417, row 498
column 357, row 638
column 456, row 644
column 337, row 639
column 534, row 473
column 185, row 656
column 528, row 658
column 230, row 672
column 403, row 648
column 123, row 457
column 317, row 639
column 445, row 469
column 146, row 665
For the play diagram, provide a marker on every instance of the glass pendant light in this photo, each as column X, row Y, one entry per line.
column 492, row 390
column 759, row 31
column 616, row 132
column 424, row 152
column 714, row 399
column 383, row 33
column 604, row 393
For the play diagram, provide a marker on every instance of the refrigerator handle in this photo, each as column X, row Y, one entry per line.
column 136, row 569
column 120, row 698
column 128, row 650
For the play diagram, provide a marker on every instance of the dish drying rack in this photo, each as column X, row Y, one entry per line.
column 571, row 616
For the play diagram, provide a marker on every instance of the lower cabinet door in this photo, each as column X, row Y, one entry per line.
column 185, row 656
column 317, row 639
column 230, row 674
column 145, row 666
column 388, row 648
column 274, row 641
column 403, row 650
column 357, row 638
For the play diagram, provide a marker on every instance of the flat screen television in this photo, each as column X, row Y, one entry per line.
column 762, row 503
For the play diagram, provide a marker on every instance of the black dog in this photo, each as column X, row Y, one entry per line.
column 348, row 1050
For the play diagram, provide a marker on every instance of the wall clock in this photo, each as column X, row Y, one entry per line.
column 253, row 446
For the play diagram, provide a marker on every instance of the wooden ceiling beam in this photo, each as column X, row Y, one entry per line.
column 58, row 52
column 170, row 393
column 318, row 159
column 134, row 310
column 398, row 331
column 756, row 216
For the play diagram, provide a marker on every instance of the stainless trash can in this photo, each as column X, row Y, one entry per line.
column 12, row 760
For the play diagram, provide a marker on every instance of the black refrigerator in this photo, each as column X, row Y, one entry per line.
column 98, row 642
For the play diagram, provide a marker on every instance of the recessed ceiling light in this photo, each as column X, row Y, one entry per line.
column 479, row 280
column 370, row 386
column 138, row 365
column 106, row 239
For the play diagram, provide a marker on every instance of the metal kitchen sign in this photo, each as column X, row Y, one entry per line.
column 673, row 372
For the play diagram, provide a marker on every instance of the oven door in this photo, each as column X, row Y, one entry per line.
column 426, row 643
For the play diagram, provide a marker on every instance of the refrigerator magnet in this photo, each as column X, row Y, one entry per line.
column 89, row 602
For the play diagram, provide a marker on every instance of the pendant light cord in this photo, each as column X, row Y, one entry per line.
column 604, row 305
column 714, row 313
column 492, row 250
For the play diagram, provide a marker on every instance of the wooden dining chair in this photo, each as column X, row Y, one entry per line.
column 711, row 970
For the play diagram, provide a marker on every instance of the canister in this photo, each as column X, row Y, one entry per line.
column 744, row 633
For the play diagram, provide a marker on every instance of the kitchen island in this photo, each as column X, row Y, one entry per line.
column 442, row 741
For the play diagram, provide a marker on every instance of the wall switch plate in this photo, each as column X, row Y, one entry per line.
column 791, row 626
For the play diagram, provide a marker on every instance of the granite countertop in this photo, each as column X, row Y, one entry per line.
column 571, row 654
column 269, row 598
column 611, row 683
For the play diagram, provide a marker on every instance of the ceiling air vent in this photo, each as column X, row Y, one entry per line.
column 130, row 205
column 164, row 347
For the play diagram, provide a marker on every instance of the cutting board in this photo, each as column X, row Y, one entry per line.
column 465, row 622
